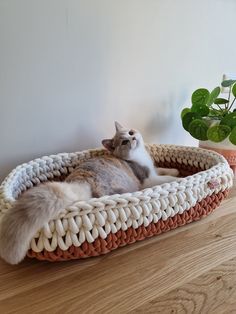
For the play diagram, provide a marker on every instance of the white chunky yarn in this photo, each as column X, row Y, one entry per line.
column 86, row 221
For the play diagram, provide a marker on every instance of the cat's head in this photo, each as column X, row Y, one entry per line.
column 125, row 143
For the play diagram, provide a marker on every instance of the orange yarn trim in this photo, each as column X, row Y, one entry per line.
column 121, row 238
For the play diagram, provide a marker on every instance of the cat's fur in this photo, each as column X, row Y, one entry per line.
column 129, row 168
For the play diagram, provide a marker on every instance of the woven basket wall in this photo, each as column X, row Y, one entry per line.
column 100, row 225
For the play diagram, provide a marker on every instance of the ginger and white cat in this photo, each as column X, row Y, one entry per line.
column 129, row 168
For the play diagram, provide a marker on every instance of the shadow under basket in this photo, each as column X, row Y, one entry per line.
column 101, row 225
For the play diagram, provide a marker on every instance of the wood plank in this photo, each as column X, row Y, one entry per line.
column 213, row 292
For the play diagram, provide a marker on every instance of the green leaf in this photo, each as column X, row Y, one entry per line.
column 234, row 90
column 218, row 133
column 198, row 129
column 200, row 97
column 215, row 112
column 220, row 101
column 232, row 136
column 199, row 101
column 228, row 83
column 213, row 95
column 229, row 120
column 184, row 111
column 203, row 110
column 188, row 118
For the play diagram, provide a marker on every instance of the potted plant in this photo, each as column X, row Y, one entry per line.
column 212, row 120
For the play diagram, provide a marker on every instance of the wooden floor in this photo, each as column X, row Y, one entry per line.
column 188, row 270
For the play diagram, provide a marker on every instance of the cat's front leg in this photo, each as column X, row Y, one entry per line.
column 157, row 180
column 167, row 172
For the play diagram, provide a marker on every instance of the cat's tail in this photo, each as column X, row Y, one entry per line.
column 33, row 209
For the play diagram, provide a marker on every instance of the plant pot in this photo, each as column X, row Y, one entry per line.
column 225, row 148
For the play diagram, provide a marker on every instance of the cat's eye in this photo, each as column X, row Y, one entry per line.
column 125, row 142
column 131, row 132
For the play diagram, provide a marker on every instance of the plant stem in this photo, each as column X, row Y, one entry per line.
column 227, row 105
column 232, row 104
column 217, row 106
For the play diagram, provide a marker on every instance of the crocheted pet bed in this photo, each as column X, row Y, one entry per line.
column 101, row 225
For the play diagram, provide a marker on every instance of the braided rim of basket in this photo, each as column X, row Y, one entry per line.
column 86, row 222
column 121, row 238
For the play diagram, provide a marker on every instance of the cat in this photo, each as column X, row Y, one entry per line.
column 128, row 168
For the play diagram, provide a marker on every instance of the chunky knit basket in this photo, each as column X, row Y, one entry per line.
column 101, row 225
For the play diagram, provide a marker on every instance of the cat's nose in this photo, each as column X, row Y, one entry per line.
column 134, row 138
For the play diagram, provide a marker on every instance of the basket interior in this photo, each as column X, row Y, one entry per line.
column 187, row 160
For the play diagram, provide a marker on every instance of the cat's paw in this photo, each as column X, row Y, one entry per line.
column 167, row 172
column 174, row 172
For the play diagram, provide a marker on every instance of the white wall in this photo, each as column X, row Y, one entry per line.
column 69, row 68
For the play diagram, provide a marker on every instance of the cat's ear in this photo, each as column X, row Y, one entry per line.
column 118, row 126
column 108, row 144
